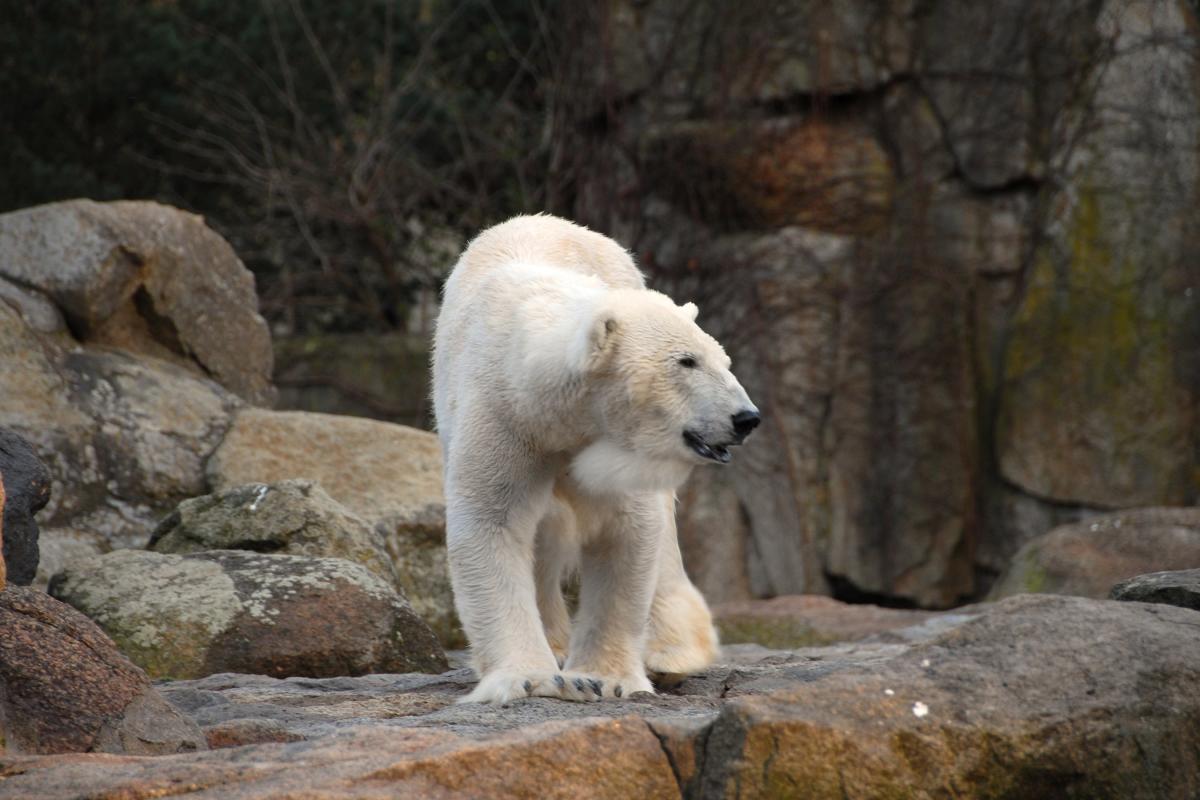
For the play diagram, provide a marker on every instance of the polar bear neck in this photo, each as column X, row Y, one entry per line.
column 605, row 467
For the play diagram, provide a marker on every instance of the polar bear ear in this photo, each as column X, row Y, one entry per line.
column 691, row 310
column 595, row 341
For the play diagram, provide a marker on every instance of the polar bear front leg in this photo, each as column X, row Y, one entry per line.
column 490, row 527
column 618, row 567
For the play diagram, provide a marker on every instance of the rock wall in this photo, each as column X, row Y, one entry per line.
column 950, row 249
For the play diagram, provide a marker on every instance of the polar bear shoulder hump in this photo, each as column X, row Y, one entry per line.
column 550, row 240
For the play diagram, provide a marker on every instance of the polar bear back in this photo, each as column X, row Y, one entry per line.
column 552, row 241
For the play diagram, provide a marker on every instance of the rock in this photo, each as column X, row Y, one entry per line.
column 1104, row 337
column 3, row 566
column 714, row 536
column 388, row 474
column 128, row 332
column 239, row 732
column 1032, row 697
column 64, row 688
column 1037, row 697
column 1180, row 588
column 26, row 491
column 807, row 620
column 381, row 376
column 375, row 469
column 60, row 547
column 125, row 439
column 889, row 510
column 960, row 320
column 293, row 517
column 416, row 543
column 1086, row 558
column 822, row 175
column 597, row 758
column 184, row 616
column 156, row 426
column 147, row 279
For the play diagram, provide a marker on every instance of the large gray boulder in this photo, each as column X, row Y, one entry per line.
column 129, row 333
column 125, row 439
column 1032, row 697
column 64, row 687
column 145, row 278
column 185, row 616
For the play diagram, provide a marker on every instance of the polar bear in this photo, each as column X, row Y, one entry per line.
column 571, row 402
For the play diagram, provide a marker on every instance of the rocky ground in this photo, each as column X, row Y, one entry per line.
column 1031, row 697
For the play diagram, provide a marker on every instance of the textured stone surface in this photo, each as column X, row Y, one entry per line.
column 388, row 474
column 1033, row 697
column 1100, row 380
column 293, row 517
column 3, row 566
column 950, row 248
column 125, row 438
column 127, row 333
column 184, row 616
column 1179, row 588
column 562, row 760
column 381, row 376
column 26, row 491
column 1038, row 697
column 59, row 547
column 147, row 279
column 373, row 468
column 156, row 425
column 805, row 620
column 714, row 536
column 65, row 688
column 1086, row 558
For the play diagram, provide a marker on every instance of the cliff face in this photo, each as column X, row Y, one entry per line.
column 952, row 250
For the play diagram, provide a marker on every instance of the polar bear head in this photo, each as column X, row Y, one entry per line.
column 663, row 393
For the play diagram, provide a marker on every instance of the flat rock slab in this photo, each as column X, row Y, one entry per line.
column 1179, row 588
column 1031, row 697
column 807, row 620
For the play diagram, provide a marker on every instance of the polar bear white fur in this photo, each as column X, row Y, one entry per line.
column 571, row 402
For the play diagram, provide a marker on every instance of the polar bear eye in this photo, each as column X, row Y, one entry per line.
column 687, row 361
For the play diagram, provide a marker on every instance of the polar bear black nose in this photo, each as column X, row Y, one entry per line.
column 744, row 422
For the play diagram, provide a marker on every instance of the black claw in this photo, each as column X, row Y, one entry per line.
column 528, row 687
column 618, row 691
column 559, row 682
column 579, row 684
column 597, row 686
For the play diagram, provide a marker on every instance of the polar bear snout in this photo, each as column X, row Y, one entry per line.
column 744, row 422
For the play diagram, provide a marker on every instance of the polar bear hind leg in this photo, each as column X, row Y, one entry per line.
column 681, row 638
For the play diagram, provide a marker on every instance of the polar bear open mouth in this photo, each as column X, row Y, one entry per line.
column 713, row 452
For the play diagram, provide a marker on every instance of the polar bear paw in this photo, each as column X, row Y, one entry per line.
column 504, row 686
